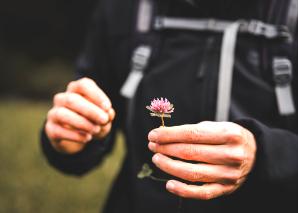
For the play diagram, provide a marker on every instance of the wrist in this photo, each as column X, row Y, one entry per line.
column 67, row 147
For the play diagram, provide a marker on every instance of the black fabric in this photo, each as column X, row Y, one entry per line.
column 185, row 70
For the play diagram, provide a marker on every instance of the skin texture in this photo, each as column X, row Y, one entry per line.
column 222, row 155
column 79, row 114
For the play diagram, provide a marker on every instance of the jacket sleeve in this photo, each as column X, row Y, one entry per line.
column 277, row 153
column 79, row 163
column 94, row 63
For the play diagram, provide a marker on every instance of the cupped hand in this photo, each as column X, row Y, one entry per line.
column 79, row 114
column 218, row 154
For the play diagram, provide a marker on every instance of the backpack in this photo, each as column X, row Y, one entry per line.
column 277, row 31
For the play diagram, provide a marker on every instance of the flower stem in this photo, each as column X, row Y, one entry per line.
column 162, row 121
column 157, row 179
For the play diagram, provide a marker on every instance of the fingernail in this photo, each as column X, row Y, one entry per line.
column 152, row 146
column 152, row 135
column 170, row 186
column 155, row 159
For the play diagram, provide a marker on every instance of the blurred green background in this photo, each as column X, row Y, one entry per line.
column 39, row 42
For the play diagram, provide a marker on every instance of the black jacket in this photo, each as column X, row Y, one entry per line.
column 272, row 186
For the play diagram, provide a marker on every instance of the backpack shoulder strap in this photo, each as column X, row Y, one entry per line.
column 292, row 16
column 145, row 43
column 282, row 66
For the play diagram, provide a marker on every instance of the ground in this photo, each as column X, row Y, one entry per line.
column 28, row 183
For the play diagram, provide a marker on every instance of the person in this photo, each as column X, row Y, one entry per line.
column 248, row 163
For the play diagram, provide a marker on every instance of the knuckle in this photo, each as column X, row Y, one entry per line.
column 195, row 175
column 50, row 131
column 71, row 85
column 48, row 128
column 234, row 136
column 70, row 100
column 85, row 82
column 235, row 176
column 205, row 123
column 50, row 114
column 192, row 132
column 231, row 176
column 57, row 98
column 58, row 112
column 237, row 155
column 234, row 133
column 190, row 151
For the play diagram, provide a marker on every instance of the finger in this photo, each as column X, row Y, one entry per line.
column 57, row 132
column 203, row 133
column 67, row 117
column 82, row 106
column 196, row 172
column 104, row 131
column 204, row 192
column 214, row 154
column 89, row 89
column 112, row 114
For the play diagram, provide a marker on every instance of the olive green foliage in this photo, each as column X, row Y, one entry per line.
column 28, row 183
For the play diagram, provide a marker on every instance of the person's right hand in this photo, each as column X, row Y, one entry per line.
column 79, row 114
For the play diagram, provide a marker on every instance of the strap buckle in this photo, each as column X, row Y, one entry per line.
column 282, row 69
column 140, row 57
column 260, row 28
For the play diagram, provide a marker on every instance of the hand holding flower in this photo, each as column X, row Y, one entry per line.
column 224, row 152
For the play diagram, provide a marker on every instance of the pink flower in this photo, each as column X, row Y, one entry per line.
column 161, row 108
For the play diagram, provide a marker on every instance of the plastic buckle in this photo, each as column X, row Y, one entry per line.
column 256, row 27
column 282, row 69
column 283, row 31
column 140, row 57
column 158, row 23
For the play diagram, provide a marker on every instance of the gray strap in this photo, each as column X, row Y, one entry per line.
column 226, row 72
column 292, row 16
column 253, row 27
column 144, row 16
column 190, row 24
column 140, row 60
column 282, row 68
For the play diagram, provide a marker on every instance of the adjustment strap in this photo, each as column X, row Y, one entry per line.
column 282, row 70
column 253, row 27
column 226, row 68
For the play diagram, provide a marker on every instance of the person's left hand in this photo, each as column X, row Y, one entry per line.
column 223, row 152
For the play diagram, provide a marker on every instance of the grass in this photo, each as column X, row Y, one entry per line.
column 28, row 183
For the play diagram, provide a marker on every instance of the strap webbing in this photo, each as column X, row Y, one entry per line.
column 226, row 72
column 253, row 27
column 292, row 16
column 144, row 16
column 282, row 68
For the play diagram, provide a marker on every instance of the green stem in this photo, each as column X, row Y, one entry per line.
column 157, row 179
column 162, row 121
